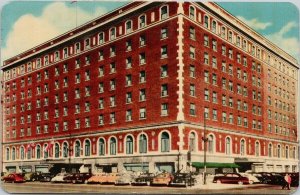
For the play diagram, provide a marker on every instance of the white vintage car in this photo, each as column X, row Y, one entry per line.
column 60, row 177
column 252, row 179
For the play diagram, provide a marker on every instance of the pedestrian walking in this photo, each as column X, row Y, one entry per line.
column 285, row 182
column 289, row 181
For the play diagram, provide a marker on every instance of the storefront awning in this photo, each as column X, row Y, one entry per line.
column 214, row 165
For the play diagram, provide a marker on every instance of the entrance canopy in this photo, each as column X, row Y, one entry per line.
column 214, row 165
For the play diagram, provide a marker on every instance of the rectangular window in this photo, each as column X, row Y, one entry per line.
column 164, row 90
column 112, row 84
column 142, row 113
column 128, row 80
column 164, row 109
column 192, row 52
column 192, row 109
column 192, row 90
column 142, row 77
column 192, row 33
column 192, row 71
column 142, row 58
column 128, row 97
column 142, row 94
column 164, row 51
column 164, row 71
column 164, row 33
column 129, row 115
column 112, row 67
column 214, row 114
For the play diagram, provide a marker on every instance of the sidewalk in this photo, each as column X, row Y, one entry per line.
column 215, row 186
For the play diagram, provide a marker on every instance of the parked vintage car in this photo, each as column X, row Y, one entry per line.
column 97, row 178
column 80, row 177
column 62, row 177
column 45, row 177
column 124, row 179
column 111, row 178
column 4, row 174
column 29, row 176
column 183, row 179
column 274, row 178
column 252, row 178
column 144, row 178
column 265, row 179
column 234, row 178
column 14, row 178
column 162, row 179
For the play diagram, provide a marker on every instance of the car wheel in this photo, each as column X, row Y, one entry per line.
column 251, row 182
column 240, row 183
column 48, row 179
column 219, row 181
column 85, row 181
column 33, row 179
column 12, row 181
column 73, row 181
column 148, row 183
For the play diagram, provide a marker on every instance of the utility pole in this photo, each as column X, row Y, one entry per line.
column 204, row 139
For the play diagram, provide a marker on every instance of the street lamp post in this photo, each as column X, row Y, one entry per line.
column 204, row 139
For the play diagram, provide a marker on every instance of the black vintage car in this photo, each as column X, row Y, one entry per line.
column 273, row 178
column 78, row 177
column 144, row 179
column 183, row 179
column 45, row 177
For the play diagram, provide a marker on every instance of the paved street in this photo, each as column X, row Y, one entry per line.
column 110, row 189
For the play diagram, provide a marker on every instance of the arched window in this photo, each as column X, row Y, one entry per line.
column 164, row 12
column 286, row 152
column 211, row 144
column 56, row 150
column 206, row 21
column 192, row 142
column 101, row 38
column 112, row 33
column 38, row 151
column 77, row 148
column 270, row 150
column 29, row 153
column 257, row 150
column 214, row 26
column 128, row 25
column 87, row 148
column 228, row 146
column 7, row 154
column 242, row 151
column 142, row 21
column 165, row 142
column 22, row 153
column 46, row 152
column 101, row 147
column 129, row 145
column 143, row 143
column 278, row 151
column 65, row 150
column 192, row 13
column 13, row 154
column 113, row 146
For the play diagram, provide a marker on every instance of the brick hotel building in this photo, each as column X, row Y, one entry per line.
column 133, row 89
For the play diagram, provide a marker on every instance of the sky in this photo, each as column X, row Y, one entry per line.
column 25, row 24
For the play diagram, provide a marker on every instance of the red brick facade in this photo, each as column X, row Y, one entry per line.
column 236, row 85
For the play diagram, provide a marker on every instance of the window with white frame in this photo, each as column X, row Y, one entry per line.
column 112, row 33
column 142, row 21
column 142, row 113
column 164, row 12
column 164, row 109
column 129, row 115
column 128, row 27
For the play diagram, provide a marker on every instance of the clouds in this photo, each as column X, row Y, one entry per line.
column 56, row 18
column 255, row 23
column 289, row 44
